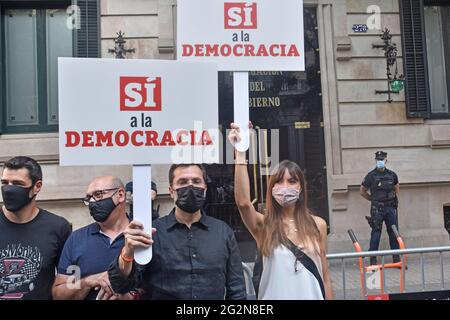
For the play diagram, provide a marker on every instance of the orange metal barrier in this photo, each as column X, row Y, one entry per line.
column 380, row 267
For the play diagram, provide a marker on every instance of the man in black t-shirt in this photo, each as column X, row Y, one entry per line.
column 31, row 239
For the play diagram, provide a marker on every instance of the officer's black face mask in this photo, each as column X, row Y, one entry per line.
column 15, row 197
column 100, row 210
column 190, row 199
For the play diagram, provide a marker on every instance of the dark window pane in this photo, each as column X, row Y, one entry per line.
column 436, row 60
column 59, row 44
column 21, row 67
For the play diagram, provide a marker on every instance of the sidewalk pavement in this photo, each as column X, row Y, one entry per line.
column 413, row 276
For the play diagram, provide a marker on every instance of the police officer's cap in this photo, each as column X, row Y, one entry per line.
column 129, row 187
column 380, row 155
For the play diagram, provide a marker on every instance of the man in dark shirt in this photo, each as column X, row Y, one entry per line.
column 194, row 256
column 82, row 269
column 384, row 189
column 31, row 239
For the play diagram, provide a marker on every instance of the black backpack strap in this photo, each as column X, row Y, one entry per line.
column 307, row 263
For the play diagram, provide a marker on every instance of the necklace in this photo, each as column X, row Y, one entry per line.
column 292, row 228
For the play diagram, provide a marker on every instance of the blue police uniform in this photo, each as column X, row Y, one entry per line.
column 384, row 202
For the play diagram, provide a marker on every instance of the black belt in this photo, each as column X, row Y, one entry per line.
column 384, row 203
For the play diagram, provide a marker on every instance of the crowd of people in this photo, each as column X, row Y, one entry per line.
column 195, row 256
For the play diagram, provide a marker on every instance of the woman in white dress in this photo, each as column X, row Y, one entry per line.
column 292, row 241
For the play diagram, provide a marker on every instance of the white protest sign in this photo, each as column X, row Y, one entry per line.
column 117, row 112
column 240, row 107
column 137, row 112
column 259, row 35
column 142, row 206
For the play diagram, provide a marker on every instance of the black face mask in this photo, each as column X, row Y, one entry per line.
column 190, row 199
column 100, row 210
column 15, row 197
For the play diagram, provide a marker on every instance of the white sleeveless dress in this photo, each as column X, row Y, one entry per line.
column 279, row 281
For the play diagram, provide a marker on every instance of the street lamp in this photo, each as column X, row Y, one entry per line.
column 395, row 82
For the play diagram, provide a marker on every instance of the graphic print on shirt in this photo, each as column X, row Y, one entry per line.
column 19, row 266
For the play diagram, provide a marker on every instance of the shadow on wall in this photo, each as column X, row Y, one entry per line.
column 447, row 217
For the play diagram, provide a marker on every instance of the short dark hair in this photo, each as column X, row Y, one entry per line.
column 34, row 169
column 184, row 165
column 154, row 187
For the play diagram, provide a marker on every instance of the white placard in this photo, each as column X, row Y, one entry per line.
column 142, row 207
column 242, row 35
column 119, row 112
column 241, row 110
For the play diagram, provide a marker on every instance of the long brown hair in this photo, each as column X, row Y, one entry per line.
column 273, row 231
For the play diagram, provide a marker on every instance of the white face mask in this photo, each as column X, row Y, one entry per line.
column 381, row 164
column 285, row 196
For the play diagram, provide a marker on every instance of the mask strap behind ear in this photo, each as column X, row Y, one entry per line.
column 31, row 189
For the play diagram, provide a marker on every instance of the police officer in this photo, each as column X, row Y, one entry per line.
column 384, row 189
column 129, row 194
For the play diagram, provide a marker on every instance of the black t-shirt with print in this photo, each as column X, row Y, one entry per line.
column 29, row 254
